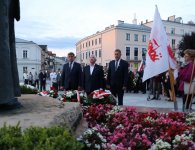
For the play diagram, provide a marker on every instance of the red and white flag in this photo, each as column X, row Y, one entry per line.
column 159, row 53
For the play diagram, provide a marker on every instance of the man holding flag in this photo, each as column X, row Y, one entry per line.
column 159, row 57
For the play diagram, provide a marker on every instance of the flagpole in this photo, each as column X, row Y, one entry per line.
column 190, row 86
column 171, row 76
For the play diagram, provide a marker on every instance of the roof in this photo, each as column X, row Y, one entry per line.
column 18, row 40
column 43, row 47
column 133, row 27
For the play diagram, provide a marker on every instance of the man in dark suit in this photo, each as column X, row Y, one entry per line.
column 42, row 80
column 93, row 76
column 117, row 76
column 72, row 74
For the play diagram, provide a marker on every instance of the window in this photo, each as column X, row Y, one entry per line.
column 172, row 30
column 127, row 53
column 95, row 53
column 135, row 53
column 92, row 52
column 83, row 56
column 83, row 45
column 100, row 40
column 89, row 53
column 100, row 53
column 143, row 38
column 86, row 44
column 92, row 42
column 25, row 54
column 86, row 55
column 89, row 43
column 144, row 51
column 173, row 43
column 24, row 69
column 95, row 41
column 135, row 37
column 128, row 36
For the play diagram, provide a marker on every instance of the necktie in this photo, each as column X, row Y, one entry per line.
column 70, row 65
column 116, row 65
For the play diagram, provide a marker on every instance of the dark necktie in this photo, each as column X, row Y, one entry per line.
column 116, row 65
column 70, row 65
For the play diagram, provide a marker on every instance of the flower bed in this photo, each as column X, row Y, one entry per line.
column 116, row 128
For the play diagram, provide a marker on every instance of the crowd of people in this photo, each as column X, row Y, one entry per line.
column 118, row 78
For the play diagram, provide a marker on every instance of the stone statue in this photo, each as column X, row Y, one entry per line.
column 9, row 80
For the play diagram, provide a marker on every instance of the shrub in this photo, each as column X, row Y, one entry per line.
column 27, row 90
column 37, row 138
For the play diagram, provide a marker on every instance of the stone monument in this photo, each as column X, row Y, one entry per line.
column 9, row 80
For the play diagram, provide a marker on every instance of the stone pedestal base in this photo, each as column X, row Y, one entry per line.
column 42, row 111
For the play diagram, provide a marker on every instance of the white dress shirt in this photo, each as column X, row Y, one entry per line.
column 91, row 68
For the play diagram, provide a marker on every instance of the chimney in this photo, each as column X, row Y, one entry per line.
column 146, row 20
column 171, row 18
column 134, row 20
column 120, row 22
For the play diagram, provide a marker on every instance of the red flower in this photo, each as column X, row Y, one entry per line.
column 64, row 100
column 74, row 100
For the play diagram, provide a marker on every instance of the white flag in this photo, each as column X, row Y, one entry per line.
column 157, row 57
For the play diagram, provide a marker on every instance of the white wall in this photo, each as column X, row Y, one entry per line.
column 33, row 60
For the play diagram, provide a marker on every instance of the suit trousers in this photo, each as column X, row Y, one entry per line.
column 188, row 101
column 118, row 92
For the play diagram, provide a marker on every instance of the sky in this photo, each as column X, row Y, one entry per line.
column 60, row 24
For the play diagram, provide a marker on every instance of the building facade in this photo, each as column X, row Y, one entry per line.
column 175, row 29
column 131, row 39
column 28, row 56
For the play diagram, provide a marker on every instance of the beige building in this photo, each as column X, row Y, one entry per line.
column 131, row 39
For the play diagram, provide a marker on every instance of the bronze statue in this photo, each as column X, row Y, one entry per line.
column 9, row 80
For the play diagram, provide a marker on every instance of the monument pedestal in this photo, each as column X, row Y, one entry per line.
column 42, row 111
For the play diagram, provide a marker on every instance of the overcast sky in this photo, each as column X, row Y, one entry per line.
column 61, row 23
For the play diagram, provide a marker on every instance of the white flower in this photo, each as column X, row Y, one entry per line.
column 161, row 145
column 97, row 146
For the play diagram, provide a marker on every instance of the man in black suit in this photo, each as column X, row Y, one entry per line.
column 72, row 74
column 93, row 76
column 42, row 80
column 117, row 76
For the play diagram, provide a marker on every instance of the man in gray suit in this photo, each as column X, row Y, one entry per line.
column 9, row 81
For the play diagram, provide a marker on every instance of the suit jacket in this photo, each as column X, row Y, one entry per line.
column 117, row 78
column 94, row 81
column 71, row 79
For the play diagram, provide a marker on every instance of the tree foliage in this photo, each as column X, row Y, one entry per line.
column 187, row 42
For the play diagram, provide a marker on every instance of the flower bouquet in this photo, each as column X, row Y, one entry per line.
column 101, row 97
column 51, row 93
column 73, row 96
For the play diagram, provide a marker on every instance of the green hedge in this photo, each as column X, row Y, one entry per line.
column 37, row 138
column 26, row 90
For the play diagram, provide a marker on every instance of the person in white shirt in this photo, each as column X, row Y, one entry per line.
column 53, row 79
column 25, row 77
column 93, row 76
column 36, row 79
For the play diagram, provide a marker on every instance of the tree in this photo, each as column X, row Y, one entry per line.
column 187, row 42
